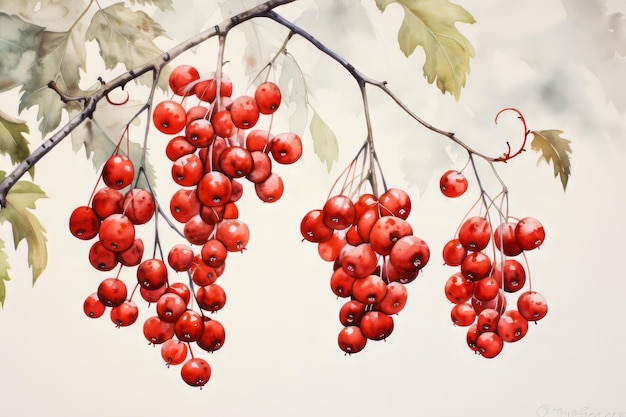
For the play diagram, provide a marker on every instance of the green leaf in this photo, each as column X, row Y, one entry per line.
column 555, row 150
column 164, row 5
column 59, row 58
column 25, row 224
column 53, row 15
column 19, row 42
column 100, row 135
column 431, row 25
column 4, row 272
column 126, row 36
column 325, row 142
column 12, row 140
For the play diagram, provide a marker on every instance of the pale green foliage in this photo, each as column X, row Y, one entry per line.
column 25, row 225
column 100, row 135
column 293, row 87
column 12, row 140
column 126, row 37
column 4, row 272
column 164, row 5
column 420, row 166
column 59, row 57
column 431, row 25
column 555, row 150
column 18, row 46
column 325, row 142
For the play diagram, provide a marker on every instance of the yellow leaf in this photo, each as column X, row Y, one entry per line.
column 555, row 150
column 325, row 142
column 431, row 25
column 25, row 224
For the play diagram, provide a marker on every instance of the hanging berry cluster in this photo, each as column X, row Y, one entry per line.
column 489, row 270
column 214, row 147
column 373, row 250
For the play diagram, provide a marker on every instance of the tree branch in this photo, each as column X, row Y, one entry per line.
column 90, row 101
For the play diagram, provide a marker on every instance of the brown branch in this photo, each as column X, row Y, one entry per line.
column 90, row 101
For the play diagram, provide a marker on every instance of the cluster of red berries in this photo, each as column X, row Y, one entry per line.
column 478, row 291
column 374, row 254
column 216, row 148
column 112, row 216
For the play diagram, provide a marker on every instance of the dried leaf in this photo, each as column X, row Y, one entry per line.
column 126, row 36
column 19, row 42
column 555, row 150
column 25, row 224
column 12, row 140
column 325, row 142
column 4, row 272
column 431, row 25
column 100, row 135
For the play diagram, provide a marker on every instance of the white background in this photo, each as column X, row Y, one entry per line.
column 281, row 357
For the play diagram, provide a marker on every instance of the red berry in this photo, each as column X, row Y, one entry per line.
column 118, row 172
column 463, row 315
column 117, row 232
column 169, row 117
column 489, row 344
column 138, row 205
column 180, row 257
column 180, row 79
column 211, row 298
column 268, row 97
column 270, row 190
column 84, row 223
column 512, row 326
column 532, row 305
column 351, row 339
column 376, row 325
column 174, row 352
column 286, row 148
column 244, row 112
column 125, row 314
column 189, row 326
column 475, row 233
column 93, row 307
column 112, row 292
column 152, row 273
column 453, row 184
column 213, row 335
column 196, row 372
column 157, row 331
column 529, row 233
column 454, row 252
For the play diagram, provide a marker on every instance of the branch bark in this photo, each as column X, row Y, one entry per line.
column 90, row 101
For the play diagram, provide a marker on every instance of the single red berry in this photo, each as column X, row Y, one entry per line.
column 169, row 117
column 118, row 172
column 268, row 97
column 453, row 184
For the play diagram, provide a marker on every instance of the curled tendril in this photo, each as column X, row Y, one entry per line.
column 116, row 103
column 108, row 99
column 507, row 155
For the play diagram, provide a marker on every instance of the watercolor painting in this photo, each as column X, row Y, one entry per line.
column 307, row 207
